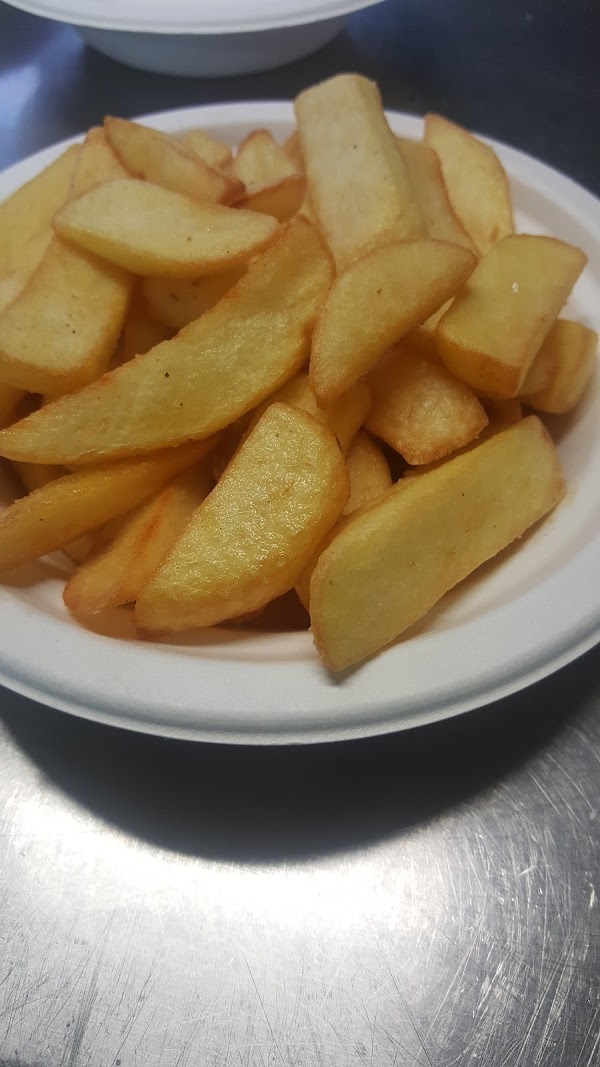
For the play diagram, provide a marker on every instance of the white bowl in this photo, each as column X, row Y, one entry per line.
column 210, row 55
column 182, row 37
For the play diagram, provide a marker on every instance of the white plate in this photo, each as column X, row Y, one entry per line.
column 520, row 618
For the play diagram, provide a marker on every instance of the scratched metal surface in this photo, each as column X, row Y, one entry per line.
column 425, row 900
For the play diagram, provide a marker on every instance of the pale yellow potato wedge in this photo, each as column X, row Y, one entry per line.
column 491, row 333
column 343, row 416
column 571, row 349
column 77, row 170
column 419, row 409
column 63, row 510
column 369, row 473
column 475, row 179
column 540, row 370
column 155, row 232
column 61, row 330
column 425, row 174
column 203, row 379
column 29, row 210
column 375, row 301
column 370, row 478
column 423, row 338
column 293, row 150
column 96, row 162
column 281, row 201
column 273, row 184
column 207, row 148
column 176, row 303
column 117, row 573
column 146, row 153
column 358, row 183
column 141, row 332
column 34, row 476
column 26, row 260
column 391, row 563
column 260, row 162
column 278, row 497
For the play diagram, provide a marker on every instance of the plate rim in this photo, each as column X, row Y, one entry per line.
column 257, row 20
column 576, row 634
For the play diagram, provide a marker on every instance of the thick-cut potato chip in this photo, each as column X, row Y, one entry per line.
column 207, row 148
column 273, row 184
column 375, row 301
column 293, row 150
column 474, row 177
column 153, row 231
column 118, row 572
column 250, row 539
column 24, row 263
column 391, row 563
column 29, row 210
column 152, row 155
column 370, row 478
column 95, row 163
column 357, row 180
column 369, row 473
column 343, row 416
column 489, row 336
column 419, row 409
column 571, row 350
column 63, row 510
column 61, row 330
column 425, row 174
column 206, row 377
column 423, row 338
column 140, row 333
column 176, row 303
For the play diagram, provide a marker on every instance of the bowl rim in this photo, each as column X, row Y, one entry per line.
column 184, row 17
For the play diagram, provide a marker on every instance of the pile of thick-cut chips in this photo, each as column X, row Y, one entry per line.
column 303, row 372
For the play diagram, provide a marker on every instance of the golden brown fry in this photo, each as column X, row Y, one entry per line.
column 63, row 510
column 419, row 409
column 489, row 336
column 279, row 495
column 378, row 299
column 207, row 148
column 146, row 153
column 391, row 563
column 149, row 230
column 141, row 332
column 369, row 473
column 474, row 177
column 176, row 303
column 357, row 180
column 29, row 210
column 118, row 572
column 425, row 174
column 571, row 350
column 343, row 416
column 273, row 184
column 206, row 377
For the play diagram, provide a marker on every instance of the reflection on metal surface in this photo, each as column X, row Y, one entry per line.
column 432, row 935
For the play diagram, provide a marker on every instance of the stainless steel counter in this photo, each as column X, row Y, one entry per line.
column 423, row 900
